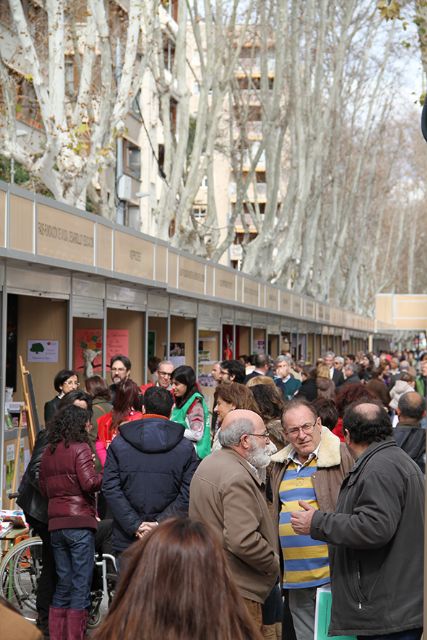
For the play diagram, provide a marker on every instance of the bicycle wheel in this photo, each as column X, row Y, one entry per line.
column 19, row 574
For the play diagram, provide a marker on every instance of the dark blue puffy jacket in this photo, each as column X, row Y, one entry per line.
column 147, row 475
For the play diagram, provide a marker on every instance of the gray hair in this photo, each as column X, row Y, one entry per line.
column 340, row 359
column 330, row 354
column 230, row 437
column 352, row 366
column 283, row 359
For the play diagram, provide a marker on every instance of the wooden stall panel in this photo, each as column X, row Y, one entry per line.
column 191, row 276
column 271, row 298
column 21, row 224
column 133, row 255
column 225, row 284
column 2, row 218
column 64, row 236
column 251, row 292
column 161, row 263
column 104, row 247
column 173, row 270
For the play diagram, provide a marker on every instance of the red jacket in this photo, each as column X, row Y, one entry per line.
column 69, row 480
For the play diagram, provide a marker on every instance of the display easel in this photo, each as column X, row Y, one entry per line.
column 28, row 410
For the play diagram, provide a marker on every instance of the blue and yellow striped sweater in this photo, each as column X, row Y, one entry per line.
column 306, row 560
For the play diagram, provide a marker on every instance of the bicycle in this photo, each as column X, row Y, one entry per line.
column 20, row 571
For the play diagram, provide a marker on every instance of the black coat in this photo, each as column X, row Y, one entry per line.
column 50, row 409
column 376, row 544
column 147, row 475
column 412, row 439
column 31, row 501
column 308, row 390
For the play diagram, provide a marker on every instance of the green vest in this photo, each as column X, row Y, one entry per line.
column 203, row 446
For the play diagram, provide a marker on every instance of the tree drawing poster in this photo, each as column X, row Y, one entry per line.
column 88, row 349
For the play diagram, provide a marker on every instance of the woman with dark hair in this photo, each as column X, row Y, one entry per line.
column 126, row 407
column 176, row 584
column 324, row 383
column 345, row 396
column 378, row 385
column 69, row 480
column 35, row 507
column 191, row 410
column 270, row 403
column 308, row 388
column 100, row 393
column 367, row 367
column 65, row 381
column 230, row 396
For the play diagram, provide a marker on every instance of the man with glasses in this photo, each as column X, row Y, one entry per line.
column 120, row 367
column 164, row 377
column 311, row 468
column 226, row 493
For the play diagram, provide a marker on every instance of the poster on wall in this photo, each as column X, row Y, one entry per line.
column 259, row 346
column 42, row 350
column 177, row 353
column 88, row 348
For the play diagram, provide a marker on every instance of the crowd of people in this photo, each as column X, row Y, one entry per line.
column 297, row 477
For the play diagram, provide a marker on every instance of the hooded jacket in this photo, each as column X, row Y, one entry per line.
column 147, row 475
column 376, row 539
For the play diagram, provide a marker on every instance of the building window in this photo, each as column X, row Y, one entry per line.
column 132, row 159
column 199, row 213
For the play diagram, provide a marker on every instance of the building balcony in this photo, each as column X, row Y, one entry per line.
column 260, row 195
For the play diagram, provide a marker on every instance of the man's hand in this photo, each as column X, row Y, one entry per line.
column 144, row 528
column 301, row 520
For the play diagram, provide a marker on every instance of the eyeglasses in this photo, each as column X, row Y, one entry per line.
column 164, row 373
column 72, row 383
column 306, row 428
column 265, row 435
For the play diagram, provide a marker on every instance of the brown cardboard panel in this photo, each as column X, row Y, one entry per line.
column 191, row 275
column 173, row 270
column 2, row 218
column 271, row 298
column 210, row 274
column 285, row 302
column 133, row 255
column 104, row 247
column 225, row 284
column 65, row 236
column 21, row 225
column 161, row 263
column 250, row 292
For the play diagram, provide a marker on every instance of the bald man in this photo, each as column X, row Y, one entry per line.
column 408, row 433
column 226, row 493
column 375, row 536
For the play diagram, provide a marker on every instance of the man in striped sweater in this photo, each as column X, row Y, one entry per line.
column 311, row 468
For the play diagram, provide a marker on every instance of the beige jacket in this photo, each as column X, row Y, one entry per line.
column 334, row 461
column 226, row 494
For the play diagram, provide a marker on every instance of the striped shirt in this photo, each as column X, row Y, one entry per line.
column 306, row 560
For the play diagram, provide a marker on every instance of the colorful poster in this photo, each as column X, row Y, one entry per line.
column 42, row 350
column 88, row 348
